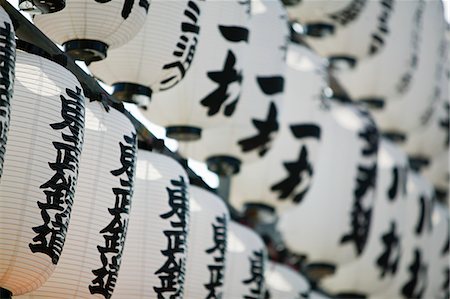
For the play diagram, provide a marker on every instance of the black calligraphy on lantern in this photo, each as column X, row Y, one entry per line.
column 216, row 269
column 185, row 47
column 128, row 6
column 382, row 29
column 417, row 284
column 422, row 215
column 349, row 13
column 446, row 284
column 7, row 62
column 388, row 261
column 398, row 182
column 171, row 273
column 361, row 213
column 256, row 280
column 445, row 123
column 59, row 190
column 247, row 4
column 114, row 233
column 229, row 75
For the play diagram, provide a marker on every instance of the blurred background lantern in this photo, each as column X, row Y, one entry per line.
column 100, row 214
column 421, row 97
column 411, row 279
column 154, row 258
column 381, row 256
column 390, row 72
column 40, row 171
column 207, row 242
column 214, row 80
column 41, row 6
column 284, row 282
column 8, row 54
column 331, row 225
column 87, row 29
column 245, row 264
column 438, row 174
column 254, row 119
column 283, row 177
column 439, row 265
column 354, row 32
column 159, row 56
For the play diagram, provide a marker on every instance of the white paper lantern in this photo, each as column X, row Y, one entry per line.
column 439, row 266
column 159, row 56
column 207, row 241
column 40, row 171
column 359, row 31
column 8, row 53
column 381, row 257
column 249, row 132
column 283, row 282
column 88, row 28
column 421, row 97
column 438, row 174
column 332, row 223
column 411, row 280
column 154, row 258
column 245, row 264
column 282, row 178
column 389, row 73
column 98, row 226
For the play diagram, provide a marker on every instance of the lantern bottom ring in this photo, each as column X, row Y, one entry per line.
column 342, row 62
column 132, row 93
column 350, row 296
column 373, row 103
column 396, row 137
column 317, row 271
column 5, row 294
column 223, row 165
column 318, row 29
column 184, row 133
column 86, row 50
column 41, row 6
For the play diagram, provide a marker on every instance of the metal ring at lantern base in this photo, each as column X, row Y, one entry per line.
column 223, row 165
column 318, row 29
column 132, row 93
column 291, row 2
column 86, row 50
column 317, row 271
column 418, row 162
column 342, row 62
column 5, row 294
column 395, row 137
column 350, row 296
column 184, row 133
column 373, row 103
column 43, row 6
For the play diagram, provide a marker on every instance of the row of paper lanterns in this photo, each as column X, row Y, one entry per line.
column 330, row 124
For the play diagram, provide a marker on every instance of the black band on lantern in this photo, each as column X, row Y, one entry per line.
column 316, row 271
column 318, row 29
column 42, row 6
column 393, row 136
column 259, row 206
column 373, row 103
column 5, row 294
column 291, row 2
column 86, row 50
column 184, row 133
column 223, row 165
column 350, row 296
column 418, row 162
column 342, row 62
column 132, row 93
column 35, row 50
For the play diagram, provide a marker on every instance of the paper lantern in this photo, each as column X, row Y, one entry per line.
column 92, row 254
column 245, row 264
column 86, row 29
column 421, row 97
column 283, row 177
column 7, row 50
column 381, row 257
column 252, row 127
column 439, row 266
column 154, row 258
column 342, row 192
column 411, row 280
column 438, row 174
column 159, row 56
column 207, row 241
column 391, row 71
column 40, row 171
column 284, row 282
column 359, row 31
